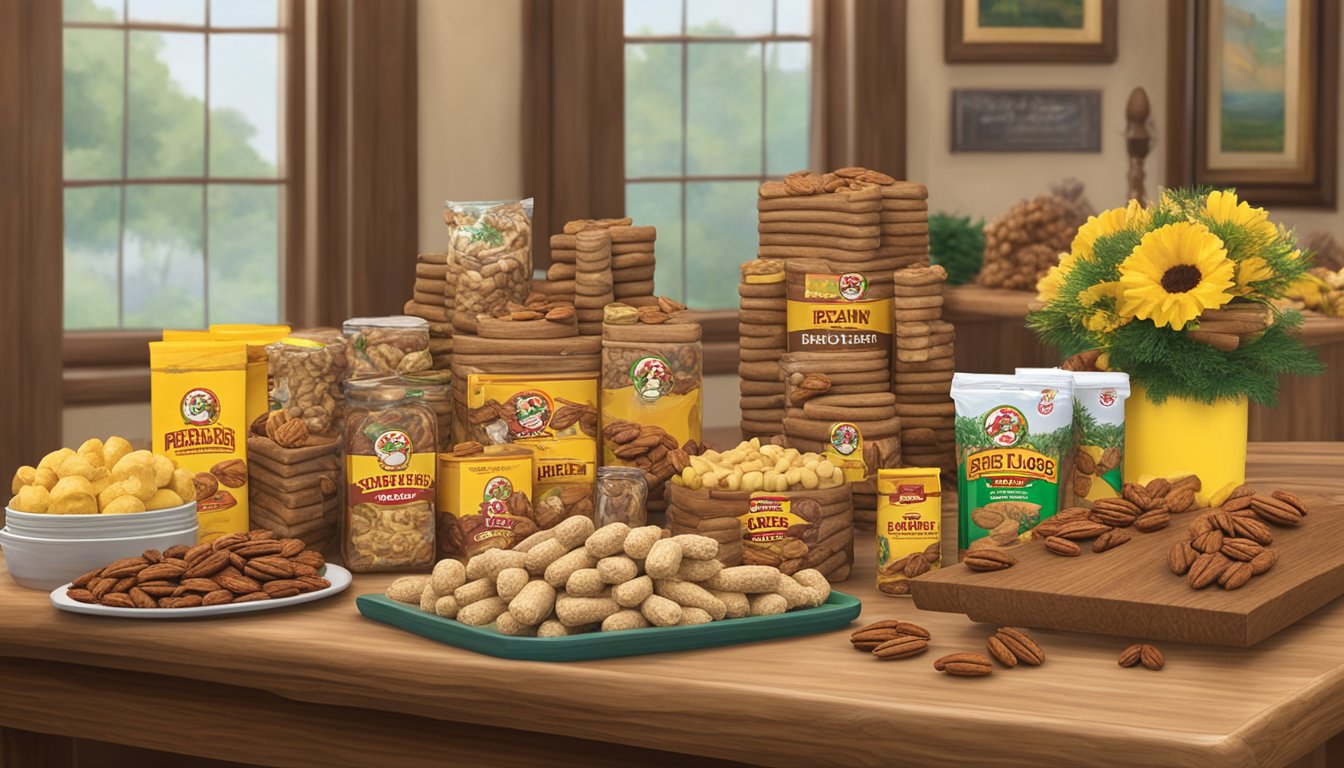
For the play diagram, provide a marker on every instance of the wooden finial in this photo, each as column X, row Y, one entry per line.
column 1138, row 141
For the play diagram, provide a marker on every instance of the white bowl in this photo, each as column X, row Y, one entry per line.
column 38, row 563
column 152, row 522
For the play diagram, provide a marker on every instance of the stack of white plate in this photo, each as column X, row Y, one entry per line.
column 46, row 551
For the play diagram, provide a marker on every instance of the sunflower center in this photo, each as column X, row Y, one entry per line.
column 1181, row 278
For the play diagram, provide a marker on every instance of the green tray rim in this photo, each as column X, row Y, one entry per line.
column 837, row 612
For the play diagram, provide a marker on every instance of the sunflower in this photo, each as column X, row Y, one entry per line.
column 1175, row 273
column 1132, row 216
column 1047, row 288
column 1223, row 208
column 1251, row 270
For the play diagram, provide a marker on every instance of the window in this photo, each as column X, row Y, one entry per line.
column 717, row 99
column 173, row 163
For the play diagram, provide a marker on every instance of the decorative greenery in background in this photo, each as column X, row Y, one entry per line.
column 958, row 245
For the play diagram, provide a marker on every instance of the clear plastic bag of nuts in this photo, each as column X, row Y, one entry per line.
column 306, row 371
column 391, row 454
column 435, row 389
column 622, row 495
column 378, row 346
column 490, row 247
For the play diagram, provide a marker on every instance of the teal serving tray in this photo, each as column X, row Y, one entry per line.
column 837, row 612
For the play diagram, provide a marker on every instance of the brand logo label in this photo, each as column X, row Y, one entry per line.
column 652, row 377
column 531, row 413
column 1047, row 404
column 495, row 497
column 200, row 408
column 911, row 494
column 1107, row 398
column 1006, row 426
column 853, row 286
column 393, row 449
column 845, row 438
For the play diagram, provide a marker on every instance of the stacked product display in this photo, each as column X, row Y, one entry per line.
column 921, row 368
column 632, row 261
column 762, row 339
column 431, row 300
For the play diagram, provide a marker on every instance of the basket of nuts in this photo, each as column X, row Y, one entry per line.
column 767, row 505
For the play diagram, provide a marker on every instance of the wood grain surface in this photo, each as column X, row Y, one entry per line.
column 803, row 701
column 992, row 338
column 1129, row 591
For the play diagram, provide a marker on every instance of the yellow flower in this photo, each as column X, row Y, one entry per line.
column 1098, row 292
column 1176, row 272
column 1132, row 216
column 1223, row 208
column 1047, row 288
column 1103, row 322
column 1251, row 270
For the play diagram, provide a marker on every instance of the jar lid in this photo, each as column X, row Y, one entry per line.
column 620, row 473
column 390, row 321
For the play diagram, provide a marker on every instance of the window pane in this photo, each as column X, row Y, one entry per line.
column 167, row 98
column 729, row 17
column 653, row 110
column 244, row 13
column 244, row 105
column 92, row 80
column 723, row 130
column 793, row 17
column 91, row 10
column 788, row 84
column 244, row 253
column 652, row 17
column 163, row 280
column 720, row 235
column 167, row 11
column 92, row 221
column 659, row 204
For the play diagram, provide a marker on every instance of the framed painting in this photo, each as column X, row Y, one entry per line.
column 1030, row 31
column 1253, row 97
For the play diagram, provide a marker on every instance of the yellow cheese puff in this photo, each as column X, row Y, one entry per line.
column 163, row 470
column 92, row 451
column 53, row 460
column 24, row 475
column 183, row 485
column 72, row 485
column 31, row 498
column 46, row 477
column 163, row 499
column 125, row 505
column 76, row 466
column 114, row 449
column 73, row 504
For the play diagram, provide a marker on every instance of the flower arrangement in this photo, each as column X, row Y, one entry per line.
column 1179, row 295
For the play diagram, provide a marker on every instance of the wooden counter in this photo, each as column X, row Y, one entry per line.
column 992, row 338
column 318, row 685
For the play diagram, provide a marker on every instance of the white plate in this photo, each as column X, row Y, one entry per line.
column 338, row 576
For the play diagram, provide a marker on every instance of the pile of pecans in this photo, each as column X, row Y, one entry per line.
column 892, row 639
column 1229, row 545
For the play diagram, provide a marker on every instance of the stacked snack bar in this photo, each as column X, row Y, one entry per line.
column 559, row 283
column 922, row 368
column 905, row 222
column 592, row 280
column 632, row 260
column 431, row 299
column 762, row 340
column 295, row 491
column 842, row 408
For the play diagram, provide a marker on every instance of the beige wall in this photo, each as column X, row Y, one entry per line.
column 471, row 128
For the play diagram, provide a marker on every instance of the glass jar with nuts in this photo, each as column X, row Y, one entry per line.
column 378, row 346
column 622, row 495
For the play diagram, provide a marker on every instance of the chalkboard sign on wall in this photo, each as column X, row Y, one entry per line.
column 1026, row 121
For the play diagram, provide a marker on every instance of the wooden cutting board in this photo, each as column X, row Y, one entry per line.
column 1130, row 592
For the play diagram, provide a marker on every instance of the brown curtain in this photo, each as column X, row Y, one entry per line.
column 31, row 250
column 863, row 83
column 574, row 110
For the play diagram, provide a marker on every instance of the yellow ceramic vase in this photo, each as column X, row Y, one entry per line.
column 1183, row 436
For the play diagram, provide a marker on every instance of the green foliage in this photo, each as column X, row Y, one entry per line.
column 1089, row 431
column 958, row 245
column 1056, row 443
column 1166, row 361
column 162, row 267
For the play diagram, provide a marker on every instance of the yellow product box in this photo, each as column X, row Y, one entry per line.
column 836, row 312
column 555, row 417
column 256, row 337
column 484, row 500
column 198, row 392
column 909, row 526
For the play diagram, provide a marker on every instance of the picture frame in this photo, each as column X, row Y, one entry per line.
column 1039, row 31
column 1036, row 120
column 1267, row 126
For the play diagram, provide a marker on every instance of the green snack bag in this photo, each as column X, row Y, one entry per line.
column 1098, row 434
column 1013, row 439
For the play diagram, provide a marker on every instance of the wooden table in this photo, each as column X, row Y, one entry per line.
column 992, row 338
column 319, row 686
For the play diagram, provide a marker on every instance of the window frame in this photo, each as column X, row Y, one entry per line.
column 111, row 365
